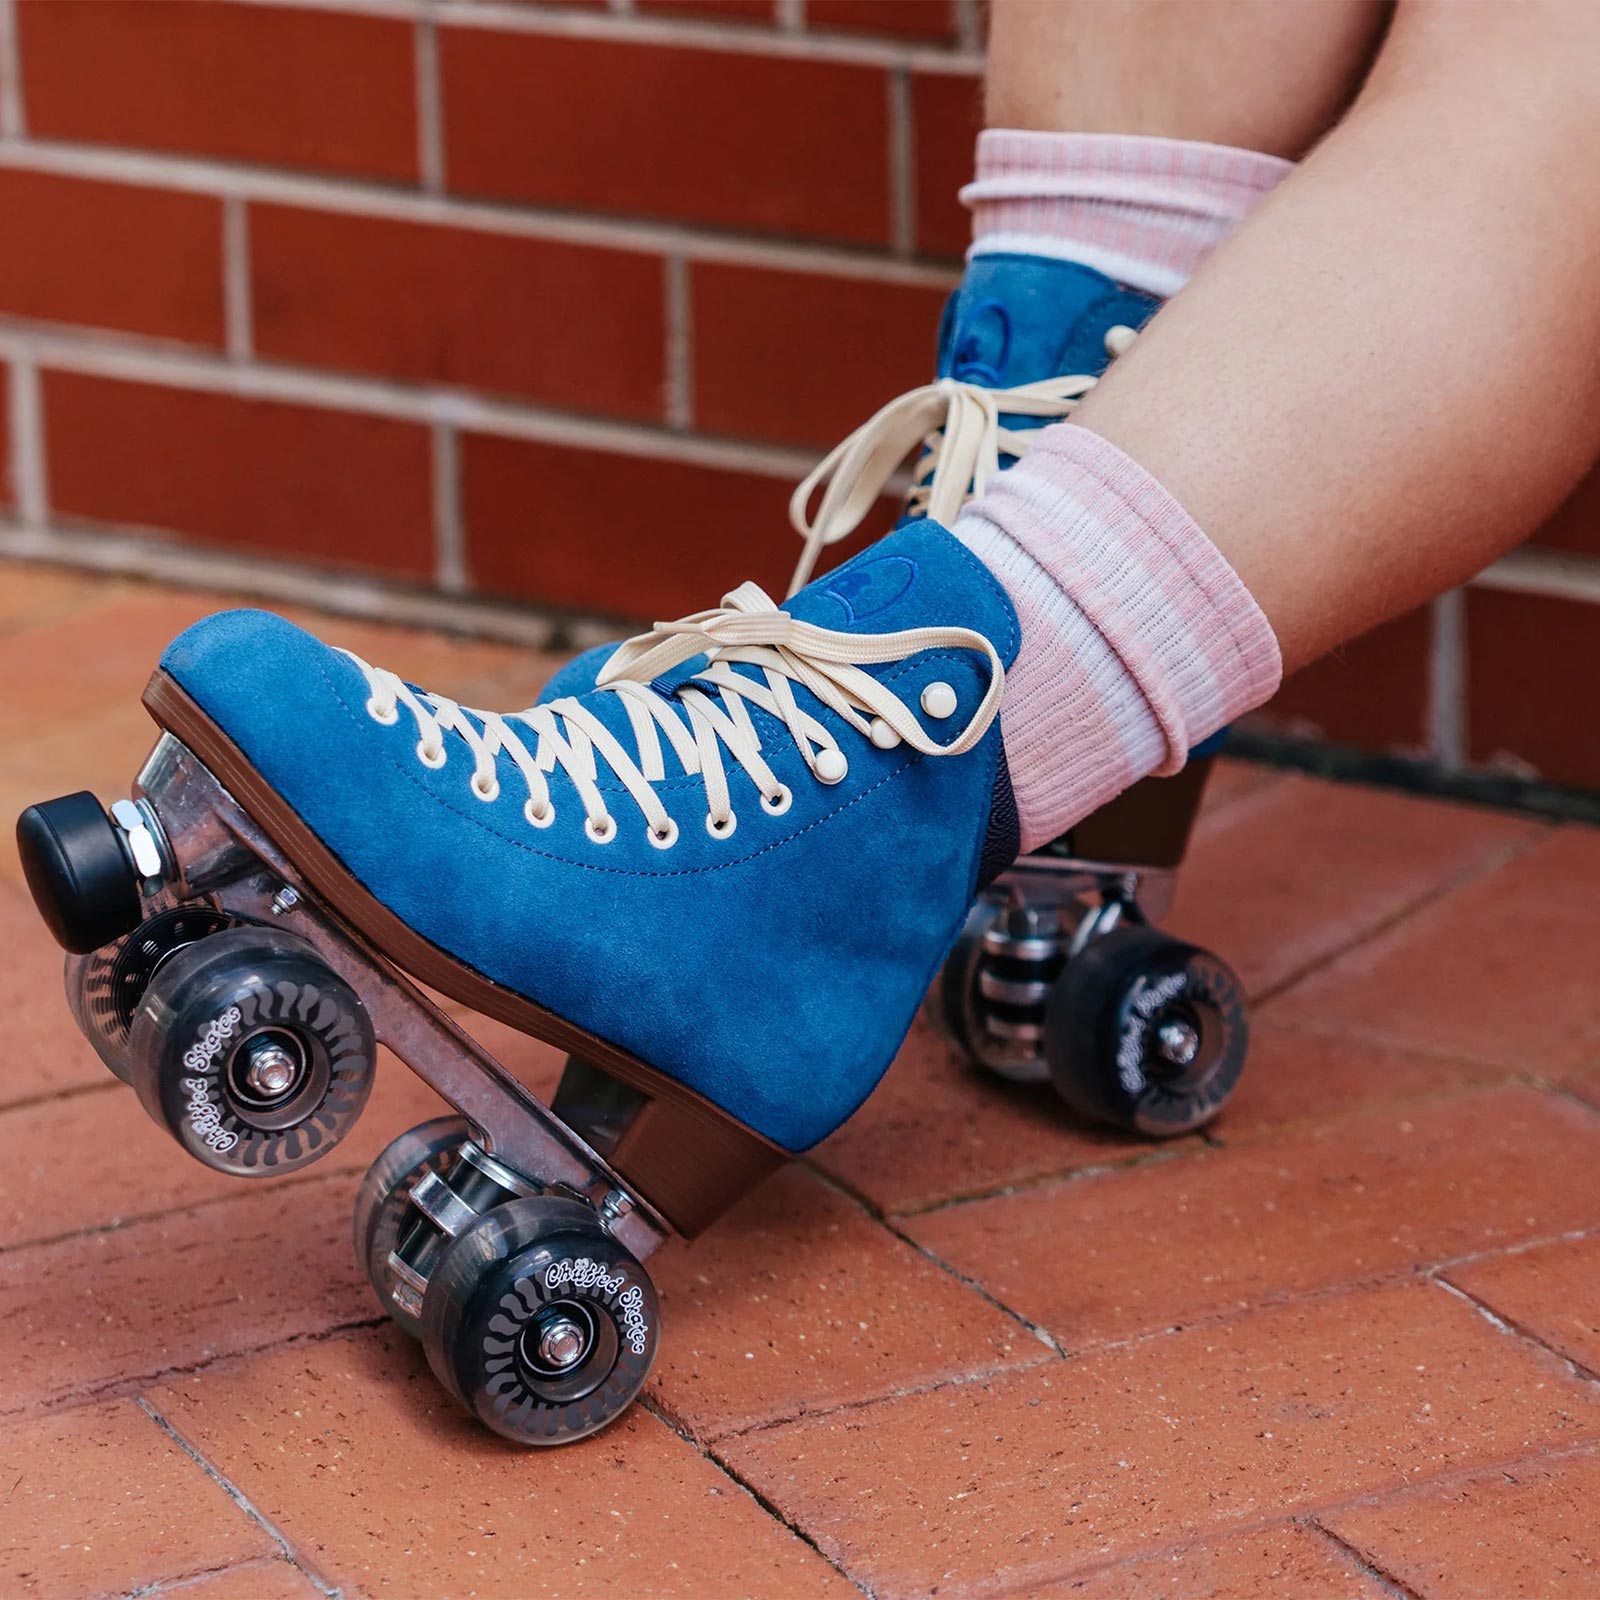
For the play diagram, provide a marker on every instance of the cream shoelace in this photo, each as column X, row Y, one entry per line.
column 958, row 426
column 709, row 715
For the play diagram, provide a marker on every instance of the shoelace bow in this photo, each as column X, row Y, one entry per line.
column 708, row 715
column 956, row 424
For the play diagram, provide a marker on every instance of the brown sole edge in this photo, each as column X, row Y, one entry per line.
column 686, row 1157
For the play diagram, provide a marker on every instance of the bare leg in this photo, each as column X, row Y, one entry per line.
column 1391, row 372
column 1268, row 75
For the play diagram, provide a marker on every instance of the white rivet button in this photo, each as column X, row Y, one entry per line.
column 883, row 735
column 830, row 766
column 939, row 700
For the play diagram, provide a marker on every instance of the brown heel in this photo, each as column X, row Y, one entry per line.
column 685, row 1158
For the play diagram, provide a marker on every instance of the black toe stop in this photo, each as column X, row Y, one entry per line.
column 82, row 880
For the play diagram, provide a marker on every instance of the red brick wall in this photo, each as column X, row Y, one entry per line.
column 432, row 294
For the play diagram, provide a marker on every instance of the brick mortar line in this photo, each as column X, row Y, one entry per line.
column 424, row 404
column 29, row 465
column 431, row 166
column 353, row 196
column 651, row 1404
column 689, row 32
column 154, row 559
column 1447, row 681
column 241, row 1500
column 238, row 300
column 13, row 119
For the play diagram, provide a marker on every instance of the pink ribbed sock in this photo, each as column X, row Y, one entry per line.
column 1138, row 638
column 1144, row 211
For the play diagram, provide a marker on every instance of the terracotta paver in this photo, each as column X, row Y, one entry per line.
column 386, row 1486
column 798, row 1302
column 982, row 1487
column 139, row 1171
column 1502, row 971
column 1528, row 1529
column 1288, row 1562
column 1363, row 1197
column 1340, row 1345
column 44, row 1053
column 104, row 1309
column 938, row 1127
column 1552, row 1292
column 1297, row 871
column 1296, row 1075
column 101, row 1500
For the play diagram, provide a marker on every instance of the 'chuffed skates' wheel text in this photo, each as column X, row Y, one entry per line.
column 1146, row 1033
column 251, row 1053
column 540, row 1322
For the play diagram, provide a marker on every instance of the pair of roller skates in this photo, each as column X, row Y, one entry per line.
column 259, row 917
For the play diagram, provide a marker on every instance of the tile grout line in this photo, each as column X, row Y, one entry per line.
column 653, row 1406
column 132, row 1385
column 345, row 197
column 237, row 307
column 193, row 1580
column 13, row 118
column 1360, row 1560
column 1452, row 883
column 239, row 1498
column 1513, row 1329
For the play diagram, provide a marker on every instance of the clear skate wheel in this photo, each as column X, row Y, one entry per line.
column 989, row 999
column 383, row 1204
column 1146, row 1033
column 539, row 1322
column 105, row 987
column 251, row 1053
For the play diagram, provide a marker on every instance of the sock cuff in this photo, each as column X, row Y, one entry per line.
column 1117, row 544
column 1219, row 181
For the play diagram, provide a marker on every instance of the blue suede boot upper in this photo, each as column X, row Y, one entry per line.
column 775, row 970
column 1012, row 319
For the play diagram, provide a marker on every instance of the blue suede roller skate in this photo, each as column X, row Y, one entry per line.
column 1052, row 978
column 725, row 894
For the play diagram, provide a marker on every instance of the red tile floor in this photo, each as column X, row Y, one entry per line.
column 1345, row 1344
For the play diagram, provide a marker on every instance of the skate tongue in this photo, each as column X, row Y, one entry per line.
column 919, row 576
column 1020, row 319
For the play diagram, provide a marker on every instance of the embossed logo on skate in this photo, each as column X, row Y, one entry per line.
column 1148, row 999
column 204, row 1117
column 982, row 343
column 872, row 586
column 579, row 1272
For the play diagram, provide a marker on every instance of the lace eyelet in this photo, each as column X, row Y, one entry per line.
column 724, row 829
column 882, row 735
column 602, row 832
column 377, row 713
column 433, row 757
column 536, row 818
column 486, row 791
column 666, row 839
column 776, row 804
